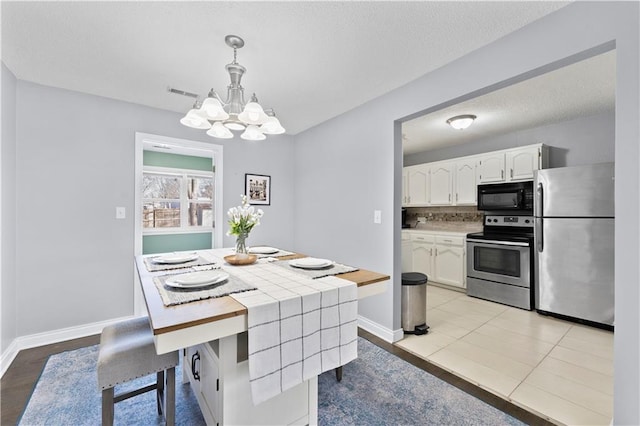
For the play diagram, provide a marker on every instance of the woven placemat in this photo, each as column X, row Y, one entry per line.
column 177, row 296
column 335, row 269
column 155, row 267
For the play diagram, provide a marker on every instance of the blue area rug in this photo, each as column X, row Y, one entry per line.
column 378, row 388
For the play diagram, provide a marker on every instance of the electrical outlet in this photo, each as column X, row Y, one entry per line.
column 422, row 219
column 121, row 213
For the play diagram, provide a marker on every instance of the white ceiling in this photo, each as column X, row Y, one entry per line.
column 310, row 61
column 578, row 90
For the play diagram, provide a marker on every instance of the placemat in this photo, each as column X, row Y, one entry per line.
column 155, row 267
column 335, row 269
column 177, row 296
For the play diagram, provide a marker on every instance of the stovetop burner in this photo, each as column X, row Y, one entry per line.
column 506, row 228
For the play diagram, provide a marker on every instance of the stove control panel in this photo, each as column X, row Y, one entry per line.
column 514, row 221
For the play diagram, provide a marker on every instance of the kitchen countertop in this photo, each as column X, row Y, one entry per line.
column 459, row 227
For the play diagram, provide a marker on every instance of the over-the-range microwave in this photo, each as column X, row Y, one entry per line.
column 508, row 197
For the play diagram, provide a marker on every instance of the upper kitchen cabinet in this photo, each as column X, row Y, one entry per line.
column 491, row 168
column 441, row 184
column 521, row 162
column 514, row 164
column 417, row 185
column 453, row 182
column 465, row 178
column 405, row 185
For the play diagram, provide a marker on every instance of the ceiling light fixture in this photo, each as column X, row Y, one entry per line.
column 461, row 122
column 219, row 117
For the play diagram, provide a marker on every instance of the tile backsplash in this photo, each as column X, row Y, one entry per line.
column 445, row 214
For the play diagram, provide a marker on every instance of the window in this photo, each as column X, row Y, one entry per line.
column 175, row 200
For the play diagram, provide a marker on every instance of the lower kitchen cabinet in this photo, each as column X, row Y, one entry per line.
column 449, row 261
column 218, row 372
column 200, row 369
column 422, row 253
column 440, row 256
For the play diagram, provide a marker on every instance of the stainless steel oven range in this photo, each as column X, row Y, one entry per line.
column 500, row 261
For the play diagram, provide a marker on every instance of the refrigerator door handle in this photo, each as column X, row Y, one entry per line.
column 539, row 196
column 539, row 233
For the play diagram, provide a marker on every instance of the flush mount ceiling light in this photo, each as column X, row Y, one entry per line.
column 461, row 122
column 219, row 117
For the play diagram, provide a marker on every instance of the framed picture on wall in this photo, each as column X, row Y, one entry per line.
column 257, row 188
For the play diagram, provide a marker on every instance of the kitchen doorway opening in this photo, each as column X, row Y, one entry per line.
column 178, row 198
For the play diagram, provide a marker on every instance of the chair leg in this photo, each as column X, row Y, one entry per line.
column 170, row 401
column 339, row 374
column 107, row 407
column 160, row 390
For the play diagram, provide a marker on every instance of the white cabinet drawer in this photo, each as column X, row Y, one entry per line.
column 423, row 237
column 450, row 240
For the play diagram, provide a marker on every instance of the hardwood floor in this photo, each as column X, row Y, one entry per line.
column 23, row 373
column 18, row 382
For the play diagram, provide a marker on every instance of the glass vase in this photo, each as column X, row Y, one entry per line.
column 241, row 246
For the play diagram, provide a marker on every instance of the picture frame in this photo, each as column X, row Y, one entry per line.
column 257, row 188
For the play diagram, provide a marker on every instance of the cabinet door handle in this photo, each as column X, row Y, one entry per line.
column 456, row 197
column 501, row 174
column 430, row 252
column 449, row 197
column 511, row 173
column 195, row 357
column 447, row 241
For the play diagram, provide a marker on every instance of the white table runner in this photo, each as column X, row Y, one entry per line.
column 298, row 327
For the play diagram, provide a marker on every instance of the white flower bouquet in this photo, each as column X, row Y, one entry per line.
column 242, row 219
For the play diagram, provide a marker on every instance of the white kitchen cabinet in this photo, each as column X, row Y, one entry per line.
column 449, row 261
column 200, row 369
column 513, row 164
column 218, row 373
column 491, row 168
column 521, row 162
column 441, row 256
column 465, row 186
column 418, row 185
column 441, row 184
column 405, row 186
column 422, row 251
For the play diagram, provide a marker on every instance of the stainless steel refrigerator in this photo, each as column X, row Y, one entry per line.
column 574, row 242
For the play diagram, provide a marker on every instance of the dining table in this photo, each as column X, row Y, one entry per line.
column 211, row 335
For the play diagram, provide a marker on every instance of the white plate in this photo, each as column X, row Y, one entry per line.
column 197, row 279
column 263, row 250
column 175, row 258
column 310, row 263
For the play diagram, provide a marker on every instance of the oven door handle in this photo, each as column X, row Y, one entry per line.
column 502, row 243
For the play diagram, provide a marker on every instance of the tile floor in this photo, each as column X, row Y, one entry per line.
column 560, row 370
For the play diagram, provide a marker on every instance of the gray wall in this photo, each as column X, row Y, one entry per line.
column 584, row 140
column 75, row 164
column 361, row 156
column 8, row 193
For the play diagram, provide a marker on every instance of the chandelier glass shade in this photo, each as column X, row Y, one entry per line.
column 219, row 117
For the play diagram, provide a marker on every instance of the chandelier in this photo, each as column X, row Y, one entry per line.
column 220, row 117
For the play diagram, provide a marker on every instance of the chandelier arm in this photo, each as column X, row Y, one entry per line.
column 214, row 94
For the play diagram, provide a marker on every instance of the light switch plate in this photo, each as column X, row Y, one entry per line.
column 121, row 213
column 377, row 216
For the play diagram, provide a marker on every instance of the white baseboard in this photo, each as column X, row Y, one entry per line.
column 49, row 337
column 384, row 333
column 8, row 356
